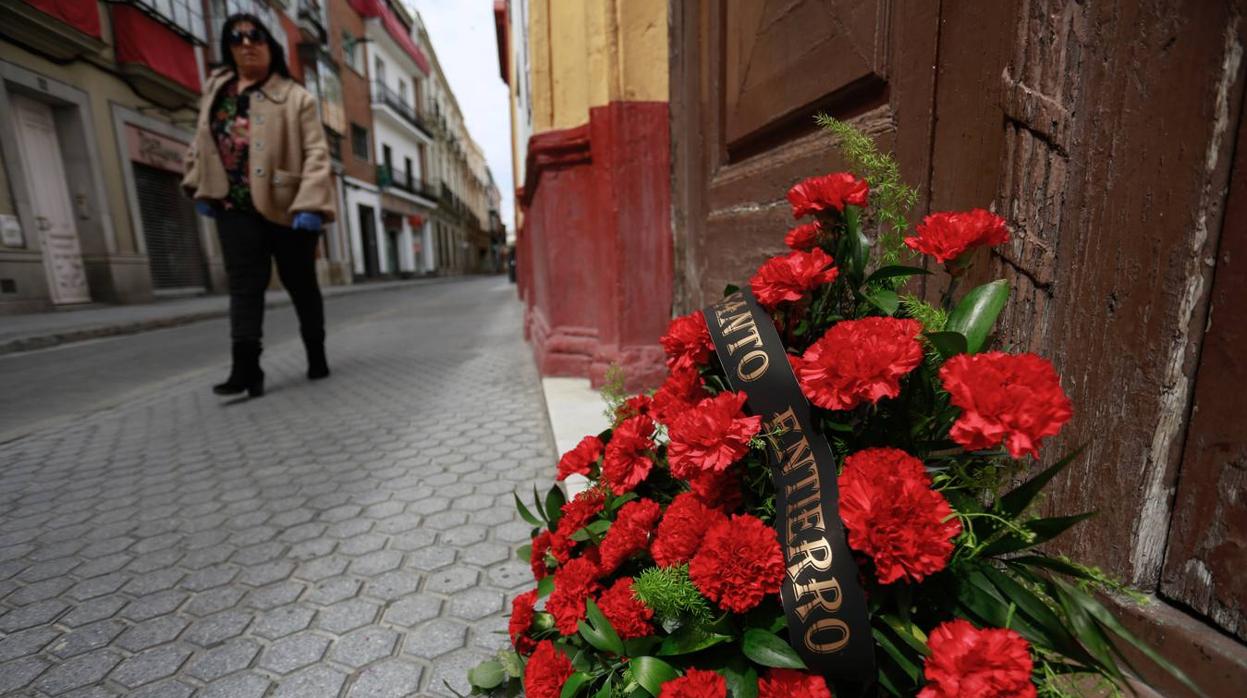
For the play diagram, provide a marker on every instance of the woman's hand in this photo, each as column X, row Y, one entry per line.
column 205, row 208
column 306, row 220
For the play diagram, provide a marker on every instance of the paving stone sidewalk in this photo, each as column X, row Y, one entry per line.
column 353, row 537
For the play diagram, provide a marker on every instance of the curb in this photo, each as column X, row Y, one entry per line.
column 34, row 342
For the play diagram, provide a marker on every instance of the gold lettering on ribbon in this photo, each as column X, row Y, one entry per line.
column 809, row 553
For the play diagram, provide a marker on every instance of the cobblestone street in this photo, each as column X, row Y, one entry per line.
column 350, row 537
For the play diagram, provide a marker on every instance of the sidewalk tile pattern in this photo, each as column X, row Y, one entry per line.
column 352, row 537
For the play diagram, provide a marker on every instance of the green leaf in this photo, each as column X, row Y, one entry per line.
column 769, row 650
column 690, row 638
column 909, row 633
column 854, row 249
column 730, row 289
column 573, row 684
column 1105, row 618
column 604, row 628
column 976, row 314
column 1051, row 563
column 619, row 501
column 524, row 512
column 544, row 586
column 525, row 553
column 948, row 344
column 540, row 509
column 652, row 673
column 605, row 690
column 595, row 638
column 1050, row 628
column 1090, row 635
column 1016, row 501
column 554, row 505
column 903, row 662
column 742, row 679
column 893, row 270
column 638, row 646
column 1043, row 530
column 487, row 675
column 884, row 299
column 595, row 528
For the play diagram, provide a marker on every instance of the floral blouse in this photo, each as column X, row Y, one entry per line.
column 231, row 128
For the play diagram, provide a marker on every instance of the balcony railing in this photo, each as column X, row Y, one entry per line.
column 387, row 180
column 381, row 93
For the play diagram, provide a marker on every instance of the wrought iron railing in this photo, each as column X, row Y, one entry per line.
column 383, row 94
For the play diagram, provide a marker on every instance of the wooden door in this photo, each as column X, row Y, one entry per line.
column 748, row 77
column 54, row 218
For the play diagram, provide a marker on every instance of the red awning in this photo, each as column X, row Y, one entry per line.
column 393, row 27
column 140, row 39
column 83, row 15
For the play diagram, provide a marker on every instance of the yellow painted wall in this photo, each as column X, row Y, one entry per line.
column 588, row 53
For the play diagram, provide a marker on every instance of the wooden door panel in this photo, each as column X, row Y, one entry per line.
column 782, row 57
column 1207, row 553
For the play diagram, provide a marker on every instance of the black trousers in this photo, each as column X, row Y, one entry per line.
column 251, row 244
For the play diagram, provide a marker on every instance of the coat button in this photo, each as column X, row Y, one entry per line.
column 259, row 97
column 259, row 145
column 259, row 119
column 259, row 171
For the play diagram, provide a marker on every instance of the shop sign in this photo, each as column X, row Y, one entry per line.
column 155, row 150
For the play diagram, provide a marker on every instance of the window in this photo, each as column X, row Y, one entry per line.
column 388, row 159
column 350, row 51
column 409, row 179
column 359, row 141
column 378, row 70
column 185, row 15
column 402, row 90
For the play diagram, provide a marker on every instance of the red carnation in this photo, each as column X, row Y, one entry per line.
column 626, row 613
column 859, row 361
column 739, row 563
column 948, row 235
column 804, row 237
column 894, row 516
column 790, row 683
column 966, row 661
column 789, row 277
column 683, row 389
column 576, row 515
column 711, row 436
column 627, row 460
column 695, row 684
column 687, row 341
column 521, row 620
column 682, row 529
column 632, row 407
column 1011, row 398
column 537, row 558
column 546, row 672
column 573, row 583
column 831, row 191
column 718, row 490
column 629, row 534
column 580, row 459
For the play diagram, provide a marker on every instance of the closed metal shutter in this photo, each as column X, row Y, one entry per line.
column 170, row 230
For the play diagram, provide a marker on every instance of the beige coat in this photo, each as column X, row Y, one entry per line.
column 289, row 156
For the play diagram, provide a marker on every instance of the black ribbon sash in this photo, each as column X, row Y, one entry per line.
column 828, row 623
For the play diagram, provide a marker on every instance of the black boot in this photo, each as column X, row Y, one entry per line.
column 245, row 376
column 317, row 364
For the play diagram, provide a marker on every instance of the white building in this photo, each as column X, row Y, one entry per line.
column 402, row 139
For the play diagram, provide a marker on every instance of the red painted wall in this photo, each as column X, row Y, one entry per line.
column 595, row 253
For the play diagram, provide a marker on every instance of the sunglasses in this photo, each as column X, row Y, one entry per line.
column 253, row 36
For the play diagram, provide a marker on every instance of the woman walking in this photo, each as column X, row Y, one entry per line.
column 259, row 165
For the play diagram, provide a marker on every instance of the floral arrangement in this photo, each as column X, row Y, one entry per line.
column 663, row 577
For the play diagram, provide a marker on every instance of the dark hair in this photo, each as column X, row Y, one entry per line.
column 277, row 55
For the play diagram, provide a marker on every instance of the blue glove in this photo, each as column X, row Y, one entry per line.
column 306, row 220
column 205, row 208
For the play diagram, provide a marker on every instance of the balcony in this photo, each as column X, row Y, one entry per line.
column 311, row 21
column 382, row 94
column 62, row 30
column 387, row 180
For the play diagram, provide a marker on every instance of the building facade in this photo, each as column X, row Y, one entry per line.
column 97, row 107
column 590, row 133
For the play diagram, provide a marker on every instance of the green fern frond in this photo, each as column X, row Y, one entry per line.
column 890, row 198
column 932, row 318
column 671, row 594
